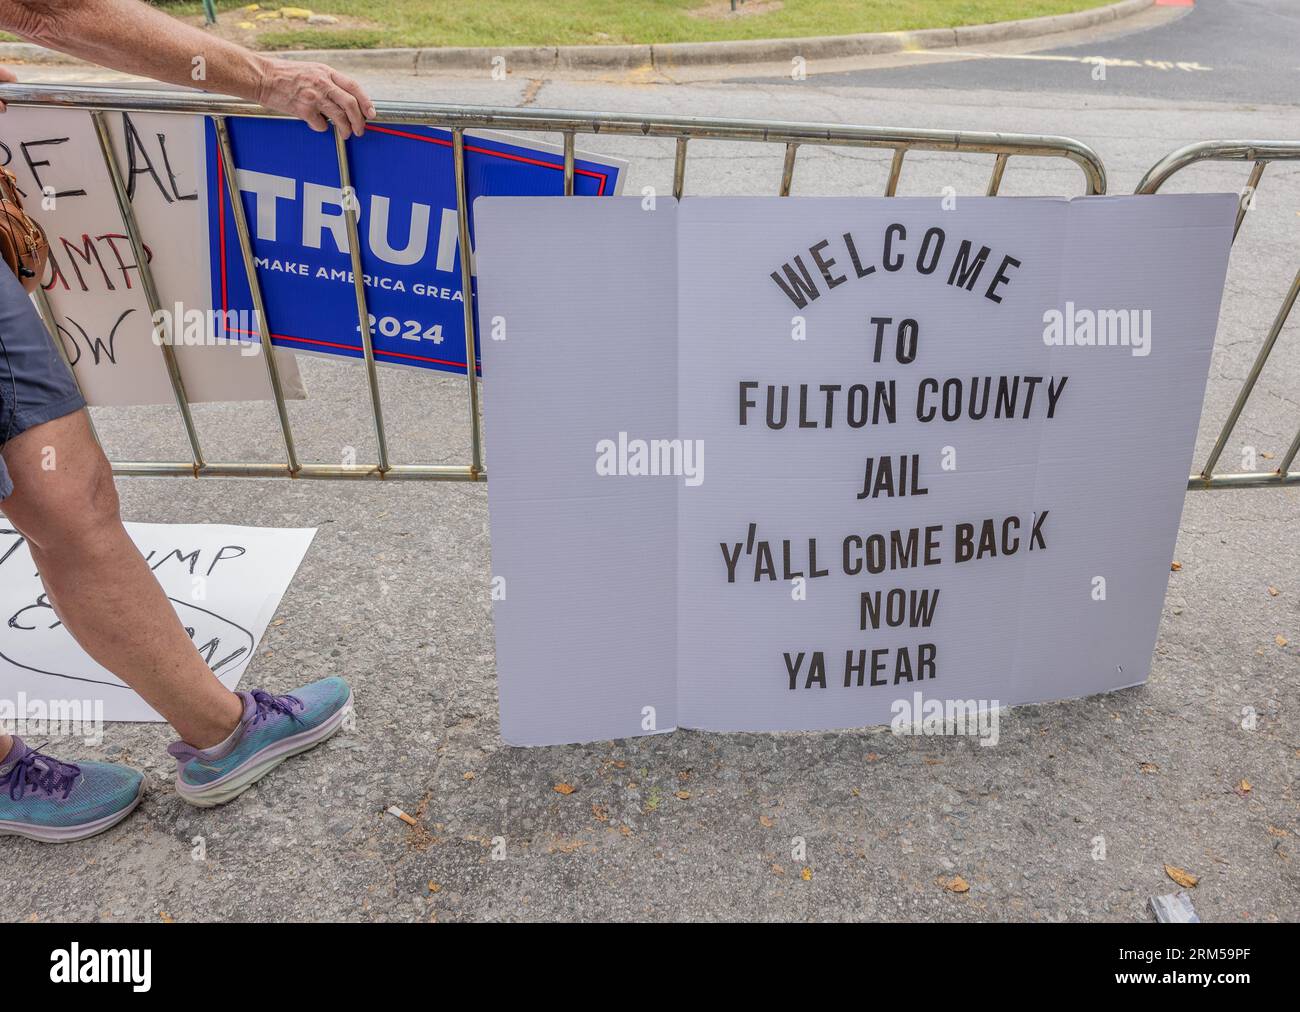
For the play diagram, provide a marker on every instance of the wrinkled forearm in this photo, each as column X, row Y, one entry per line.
column 132, row 37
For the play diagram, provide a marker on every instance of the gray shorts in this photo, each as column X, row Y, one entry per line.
column 35, row 384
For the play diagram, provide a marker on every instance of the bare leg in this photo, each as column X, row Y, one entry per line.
column 99, row 584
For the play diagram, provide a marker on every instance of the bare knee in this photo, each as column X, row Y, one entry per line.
column 90, row 507
column 63, row 485
column 74, row 513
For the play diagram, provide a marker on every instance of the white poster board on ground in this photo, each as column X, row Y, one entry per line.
column 225, row 582
column 93, row 283
column 786, row 464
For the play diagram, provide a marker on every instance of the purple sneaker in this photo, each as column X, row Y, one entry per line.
column 272, row 729
column 55, row 802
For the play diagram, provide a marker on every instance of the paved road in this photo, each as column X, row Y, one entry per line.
column 394, row 595
column 1245, row 51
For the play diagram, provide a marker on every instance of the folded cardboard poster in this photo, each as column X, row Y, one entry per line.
column 777, row 464
column 100, row 311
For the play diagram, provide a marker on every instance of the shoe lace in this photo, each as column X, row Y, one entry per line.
column 268, row 704
column 40, row 771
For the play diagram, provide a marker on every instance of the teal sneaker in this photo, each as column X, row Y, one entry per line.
column 272, row 729
column 44, row 799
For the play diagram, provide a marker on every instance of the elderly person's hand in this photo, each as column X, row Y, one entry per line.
column 135, row 38
column 315, row 93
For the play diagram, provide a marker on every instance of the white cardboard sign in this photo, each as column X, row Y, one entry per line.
column 93, row 283
column 784, row 464
column 225, row 582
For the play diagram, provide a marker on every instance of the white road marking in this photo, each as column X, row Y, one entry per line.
column 1188, row 66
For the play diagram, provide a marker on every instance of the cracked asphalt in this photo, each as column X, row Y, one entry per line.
column 857, row 825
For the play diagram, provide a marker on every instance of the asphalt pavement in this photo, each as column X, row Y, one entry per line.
column 1244, row 51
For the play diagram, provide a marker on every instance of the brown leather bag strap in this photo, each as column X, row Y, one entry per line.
column 23, row 245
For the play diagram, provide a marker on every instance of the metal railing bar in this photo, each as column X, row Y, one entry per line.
column 359, row 286
column 679, row 168
column 459, row 118
column 895, row 170
column 467, row 288
column 568, row 163
column 1251, row 184
column 146, row 281
column 1261, row 153
column 586, row 122
column 234, row 469
column 1243, row 395
column 1254, row 479
column 787, row 169
column 995, row 180
column 1284, row 469
column 226, row 153
column 1218, row 151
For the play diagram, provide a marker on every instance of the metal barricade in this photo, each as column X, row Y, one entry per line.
column 1261, row 153
column 99, row 102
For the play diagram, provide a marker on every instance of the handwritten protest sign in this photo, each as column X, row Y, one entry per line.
column 822, row 462
column 93, row 283
column 225, row 582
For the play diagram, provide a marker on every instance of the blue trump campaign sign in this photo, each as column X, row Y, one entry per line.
column 405, row 196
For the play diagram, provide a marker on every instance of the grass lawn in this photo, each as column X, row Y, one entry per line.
column 578, row 22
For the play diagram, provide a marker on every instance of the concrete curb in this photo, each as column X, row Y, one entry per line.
column 666, row 56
